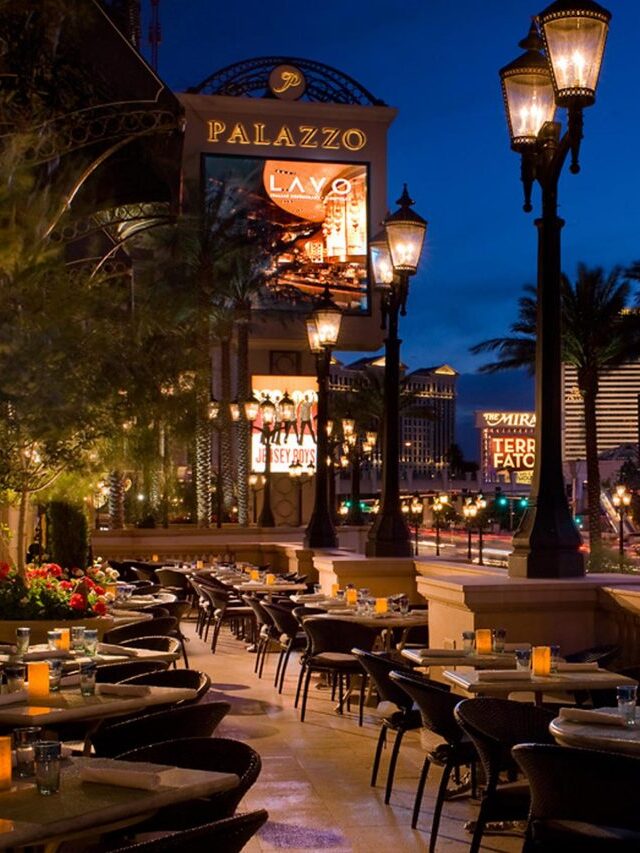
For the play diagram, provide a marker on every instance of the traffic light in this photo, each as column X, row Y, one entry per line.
column 523, row 503
column 502, row 500
column 579, row 521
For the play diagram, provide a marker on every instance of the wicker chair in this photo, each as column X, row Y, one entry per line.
column 172, row 581
column 495, row 726
column 405, row 719
column 240, row 618
column 581, row 799
column 437, row 704
column 266, row 631
column 192, row 679
column 330, row 644
column 197, row 753
column 114, row 673
column 164, row 625
column 296, row 640
column 113, row 738
column 229, row 835
column 162, row 643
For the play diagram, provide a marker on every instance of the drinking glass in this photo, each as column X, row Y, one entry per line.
column 499, row 637
column 523, row 659
column 91, row 641
column 23, row 637
column 627, row 696
column 317, row 588
column 404, row 605
column 23, row 742
column 77, row 638
column 55, row 675
column 15, row 673
column 555, row 657
column 468, row 640
column 88, row 678
column 54, row 638
column 47, row 755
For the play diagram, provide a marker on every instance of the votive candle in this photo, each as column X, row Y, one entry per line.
column 64, row 644
column 484, row 641
column 351, row 596
column 154, row 558
column 254, row 575
column 382, row 605
column 199, row 564
column 5, row 763
column 334, row 589
column 38, row 679
column 541, row 660
column 270, row 579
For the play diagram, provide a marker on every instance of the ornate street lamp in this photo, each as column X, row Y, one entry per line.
column 255, row 481
column 547, row 542
column 621, row 501
column 440, row 503
column 413, row 510
column 213, row 414
column 300, row 476
column 323, row 330
column 473, row 510
column 395, row 254
column 355, row 448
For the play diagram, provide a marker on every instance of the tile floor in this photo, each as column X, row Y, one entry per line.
column 315, row 775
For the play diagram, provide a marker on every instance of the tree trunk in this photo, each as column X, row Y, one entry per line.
column 589, row 396
column 203, row 467
column 116, row 500
column 225, row 423
column 243, row 427
column 22, row 523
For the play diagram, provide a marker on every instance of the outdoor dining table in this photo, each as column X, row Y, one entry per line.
column 254, row 586
column 458, row 657
column 593, row 736
column 384, row 622
column 69, row 705
column 72, row 659
column 472, row 682
column 88, row 808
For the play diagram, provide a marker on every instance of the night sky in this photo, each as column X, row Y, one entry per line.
column 437, row 62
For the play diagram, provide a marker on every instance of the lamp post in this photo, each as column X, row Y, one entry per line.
column 621, row 501
column 323, row 330
column 356, row 447
column 472, row 510
column 440, row 502
column 574, row 32
column 395, row 254
column 267, row 410
column 255, row 480
column 469, row 511
column 300, row 477
column 414, row 512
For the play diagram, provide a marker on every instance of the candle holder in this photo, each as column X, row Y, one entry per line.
column 351, row 596
column 541, row 661
column 382, row 605
column 5, row 763
column 38, row 679
column 484, row 641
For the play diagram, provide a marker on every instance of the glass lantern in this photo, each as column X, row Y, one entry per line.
column 405, row 231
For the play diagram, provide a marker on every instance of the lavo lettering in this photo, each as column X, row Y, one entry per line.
column 303, row 136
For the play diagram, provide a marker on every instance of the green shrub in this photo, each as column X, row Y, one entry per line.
column 67, row 535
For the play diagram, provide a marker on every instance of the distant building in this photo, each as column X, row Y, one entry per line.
column 616, row 412
column 424, row 441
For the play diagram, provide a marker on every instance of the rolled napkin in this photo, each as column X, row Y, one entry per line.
column 577, row 667
column 504, row 675
column 13, row 698
column 142, row 599
column 127, row 777
column 596, row 718
column 123, row 690
column 113, row 649
column 45, row 654
column 70, row 680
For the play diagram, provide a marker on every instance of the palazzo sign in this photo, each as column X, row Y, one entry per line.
column 507, row 445
column 282, row 135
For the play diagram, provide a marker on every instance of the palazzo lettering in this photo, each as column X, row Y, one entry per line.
column 303, row 136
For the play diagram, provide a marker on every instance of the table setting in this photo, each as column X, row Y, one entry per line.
column 611, row 729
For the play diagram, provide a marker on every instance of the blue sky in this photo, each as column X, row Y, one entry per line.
column 438, row 62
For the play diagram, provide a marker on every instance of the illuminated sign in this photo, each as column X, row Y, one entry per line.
column 287, row 82
column 322, row 209
column 282, row 135
column 291, row 440
column 508, row 445
column 512, row 451
column 506, row 419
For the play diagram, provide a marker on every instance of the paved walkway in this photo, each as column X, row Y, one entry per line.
column 315, row 775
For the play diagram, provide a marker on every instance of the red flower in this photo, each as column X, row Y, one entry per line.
column 98, row 590
column 99, row 608
column 54, row 569
column 5, row 568
column 77, row 601
column 66, row 585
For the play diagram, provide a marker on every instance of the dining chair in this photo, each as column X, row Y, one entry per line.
column 114, row 673
column 495, row 726
column 581, row 799
column 289, row 637
column 192, row 679
column 437, row 704
column 163, row 643
column 240, row 618
column 379, row 667
column 172, row 581
column 229, row 835
column 117, row 736
column 266, row 631
column 150, row 627
column 179, row 610
column 330, row 644
column 223, row 755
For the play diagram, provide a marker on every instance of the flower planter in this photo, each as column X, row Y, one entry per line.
column 39, row 627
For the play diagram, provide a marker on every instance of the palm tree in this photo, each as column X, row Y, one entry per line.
column 598, row 334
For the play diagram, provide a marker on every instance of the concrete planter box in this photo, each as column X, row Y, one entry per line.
column 39, row 627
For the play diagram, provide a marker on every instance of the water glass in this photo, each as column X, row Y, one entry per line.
column 15, row 673
column 55, row 675
column 317, row 588
column 47, row 754
column 88, row 678
column 404, row 605
column 627, row 696
column 91, row 641
column 77, row 638
column 54, row 639
column 555, row 657
column 23, row 637
column 468, row 640
column 523, row 659
column 499, row 637
column 23, row 742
